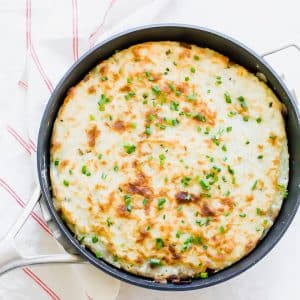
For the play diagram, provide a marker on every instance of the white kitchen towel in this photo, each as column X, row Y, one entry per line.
column 57, row 33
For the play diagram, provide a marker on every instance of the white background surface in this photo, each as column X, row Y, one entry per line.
column 261, row 25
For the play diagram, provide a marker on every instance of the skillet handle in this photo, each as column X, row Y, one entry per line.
column 10, row 258
column 292, row 45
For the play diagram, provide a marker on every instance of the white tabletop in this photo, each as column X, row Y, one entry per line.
column 261, row 25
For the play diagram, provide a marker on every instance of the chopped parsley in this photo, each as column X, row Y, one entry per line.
column 162, row 159
column 174, row 106
column 204, row 185
column 259, row 211
column 94, row 239
column 227, row 98
column 156, row 90
column 103, row 100
column 242, row 101
column 109, row 222
column 155, row 262
column 218, row 80
column 160, row 203
column 254, row 185
column 148, row 130
column 129, row 148
column 159, row 243
column 127, row 199
column 186, row 78
column 148, row 75
column 185, row 181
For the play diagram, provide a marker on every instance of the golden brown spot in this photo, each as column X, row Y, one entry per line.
column 182, row 87
column 260, row 147
column 143, row 234
column 249, row 246
column 55, row 146
column 92, row 89
column 184, row 54
column 116, row 77
column 119, row 126
column 104, row 69
column 92, row 134
column 125, row 88
column 185, row 45
column 139, row 188
column 217, row 58
column 249, row 198
column 206, row 210
column 184, row 197
column 63, row 164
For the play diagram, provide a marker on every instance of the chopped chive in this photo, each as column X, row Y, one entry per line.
column 230, row 170
column 227, row 97
column 155, row 262
column 145, row 201
column 254, row 185
column 156, row 90
column 66, row 183
column 100, row 155
column 159, row 243
column 129, row 148
column 148, row 75
column 116, row 168
column 160, row 203
column 196, row 57
column 127, row 199
column 224, row 148
column 148, row 130
column 260, row 156
column 95, row 239
column 56, row 162
column 129, row 80
column 204, row 185
column 231, row 114
column 193, row 70
column 70, row 172
column 242, row 215
column 109, row 222
column 259, row 211
column 258, row 120
column 103, row 100
column 92, row 117
column 174, row 106
column 103, row 176
column 191, row 97
column 200, row 117
column 186, row 78
column 246, row 118
column 185, row 181
column 221, row 229
column 104, row 78
column 229, row 129
column 218, row 80
column 83, row 169
column 242, row 101
column 162, row 159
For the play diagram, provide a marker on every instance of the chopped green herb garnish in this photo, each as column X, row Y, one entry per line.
column 247, row 143
column 160, row 203
column 145, row 201
column 196, row 57
column 227, row 97
column 186, row 78
column 221, row 229
column 127, row 199
column 246, row 118
column 98, row 254
column 129, row 148
column 129, row 95
column 230, row 170
column 56, row 162
column 129, row 80
column 218, row 80
column 203, row 275
column 159, row 243
column 104, row 78
column 191, row 97
column 95, row 239
column 92, row 117
column 231, row 114
column 101, row 103
column 66, row 183
column 242, row 101
column 174, row 106
column 200, row 117
column 116, row 168
column 258, row 120
column 155, row 262
column 109, row 222
column 70, row 172
column 162, row 159
column 254, row 185
column 156, row 90
column 193, row 70
column 228, row 129
column 84, row 169
column 259, row 211
column 283, row 190
column 100, row 155
column 204, row 185
column 148, row 130
column 260, row 156
column 148, row 75
column 103, row 176
column 242, row 215
column 185, row 181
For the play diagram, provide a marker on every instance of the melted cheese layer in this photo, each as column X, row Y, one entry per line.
column 168, row 160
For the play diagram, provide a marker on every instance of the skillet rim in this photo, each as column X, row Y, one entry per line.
column 43, row 171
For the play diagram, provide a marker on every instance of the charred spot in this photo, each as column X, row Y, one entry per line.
column 185, row 45
column 92, row 134
column 185, row 197
column 119, row 126
column 206, row 211
column 139, row 189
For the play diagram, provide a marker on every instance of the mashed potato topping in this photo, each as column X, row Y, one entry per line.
column 169, row 161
